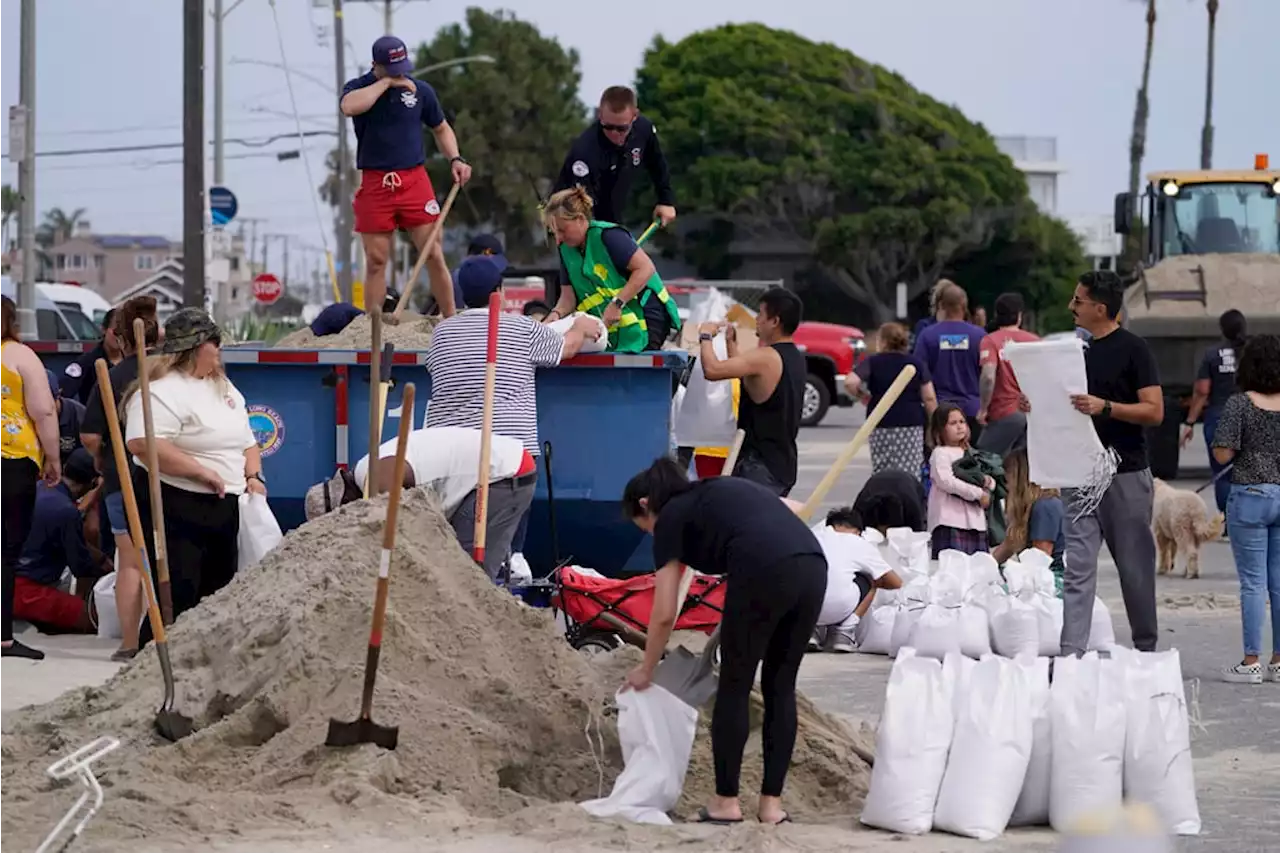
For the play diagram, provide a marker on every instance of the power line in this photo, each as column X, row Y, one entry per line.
column 163, row 146
column 143, row 128
column 150, row 164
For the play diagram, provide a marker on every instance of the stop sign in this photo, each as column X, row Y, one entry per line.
column 267, row 288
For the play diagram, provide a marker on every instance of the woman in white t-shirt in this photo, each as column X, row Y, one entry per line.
column 207, row 453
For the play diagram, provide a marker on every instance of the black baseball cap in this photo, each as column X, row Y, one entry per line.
column 391, row 54
column 485, row 244
column 79, row 467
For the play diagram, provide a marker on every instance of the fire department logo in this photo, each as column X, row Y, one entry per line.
column 409, row 99
column 433, row 207
column 580, row 168
column 635, row 156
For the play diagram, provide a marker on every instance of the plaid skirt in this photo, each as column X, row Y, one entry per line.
column 944, row 538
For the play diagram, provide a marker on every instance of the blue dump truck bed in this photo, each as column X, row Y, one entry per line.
column 606, row 416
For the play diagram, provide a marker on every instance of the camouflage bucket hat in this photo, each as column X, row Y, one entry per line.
column 188, row 329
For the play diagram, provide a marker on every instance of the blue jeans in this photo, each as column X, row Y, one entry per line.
column 1222, row 486
column 1254, row 515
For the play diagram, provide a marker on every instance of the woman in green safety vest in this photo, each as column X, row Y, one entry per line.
column 609, row 276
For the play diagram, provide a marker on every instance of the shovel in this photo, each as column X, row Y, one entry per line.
column 380, row 359
column 169, row 723
column 153, row 475
column 363, row 729
column 480, row 538
column 422, row 255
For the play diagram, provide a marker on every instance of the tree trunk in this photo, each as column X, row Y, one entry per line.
column 1206, row 135
column 1138, row 141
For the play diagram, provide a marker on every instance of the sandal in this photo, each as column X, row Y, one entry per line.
column 705, row 816
column 786, row 818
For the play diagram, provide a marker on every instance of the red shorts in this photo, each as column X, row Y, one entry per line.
column 385, row 201
column 48, row 607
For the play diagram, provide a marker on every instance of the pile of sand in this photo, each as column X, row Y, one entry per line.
column 490, row 700
column 413, row 332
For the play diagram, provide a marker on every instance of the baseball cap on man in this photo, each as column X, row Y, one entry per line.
column 188, row 329
column 391, row 54
column 485, row 244
column 478, row 276
column 79, row 467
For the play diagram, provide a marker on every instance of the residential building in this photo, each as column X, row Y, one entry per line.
column 1037, row 158
column 109, row 263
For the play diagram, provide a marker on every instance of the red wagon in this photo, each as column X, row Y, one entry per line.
column 595, row 607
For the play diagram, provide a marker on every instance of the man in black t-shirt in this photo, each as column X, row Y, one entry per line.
column 1124, row 399
column 1215, row 383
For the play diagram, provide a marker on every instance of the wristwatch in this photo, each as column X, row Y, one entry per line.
column 704, row 337
column 459, row 159
column 1106, row 408
column 256, row 475
column 618, row 303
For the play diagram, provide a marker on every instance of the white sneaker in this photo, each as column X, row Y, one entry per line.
column 1273, row 672
column 816, row 639
column 1243, row 673
column 520, row 572
column 841, row 638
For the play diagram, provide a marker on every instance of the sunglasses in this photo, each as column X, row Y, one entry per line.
column 616, row 128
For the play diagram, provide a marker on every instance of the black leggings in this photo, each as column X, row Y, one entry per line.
column 201, row 532
column 769, row 615
column 18, row 479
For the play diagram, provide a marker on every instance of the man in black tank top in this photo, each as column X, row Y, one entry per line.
column 773, row 377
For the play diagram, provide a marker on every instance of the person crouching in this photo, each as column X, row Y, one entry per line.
column 855, row 570
column 56, row 541
column 447, row 461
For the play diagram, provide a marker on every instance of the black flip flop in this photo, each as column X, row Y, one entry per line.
column 705, row 817
column 786, row 818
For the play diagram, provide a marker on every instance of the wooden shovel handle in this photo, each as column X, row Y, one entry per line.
column 153, row 469
column 388, row 542
column 481, row 537
column 426, row 250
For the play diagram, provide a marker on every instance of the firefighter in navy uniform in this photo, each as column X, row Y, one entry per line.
column 78, row 378
column 605, row 157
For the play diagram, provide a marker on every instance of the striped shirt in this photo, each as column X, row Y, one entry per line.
column 456, row 362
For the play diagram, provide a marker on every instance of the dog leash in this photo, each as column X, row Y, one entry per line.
column 1216, row 477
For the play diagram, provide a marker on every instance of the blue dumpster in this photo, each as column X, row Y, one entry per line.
column 607, row 416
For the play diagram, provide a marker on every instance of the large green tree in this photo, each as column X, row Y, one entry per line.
column 773, row 137
column 514, row 119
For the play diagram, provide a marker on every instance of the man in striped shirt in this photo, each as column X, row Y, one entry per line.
column 456, row 362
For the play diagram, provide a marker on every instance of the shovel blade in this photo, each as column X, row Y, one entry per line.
column 173, row 726
column 361, row 731
column 689, row 677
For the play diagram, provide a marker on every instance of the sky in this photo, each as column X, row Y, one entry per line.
column 109, row 73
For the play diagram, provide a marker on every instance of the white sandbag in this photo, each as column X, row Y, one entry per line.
column 1089, row 720
column 875, row 631
column 562, row 326
column 703, row 416
column 912, row 598
column 910, row 552
column 1015, row 629
column 104, row 599
column 1034, row 558
column 259, row 530
column 954, row 563
column 912, row 744
column 1048, row 624
column 936, row 633
column 875, row 537
column 1157, row 755
column 1032, row 808
column 1102, row 633
column 975, row 631
column 656, row 731
column 990, row 751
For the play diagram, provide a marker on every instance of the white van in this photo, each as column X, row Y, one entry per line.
column 54, row 321
column 90, row 304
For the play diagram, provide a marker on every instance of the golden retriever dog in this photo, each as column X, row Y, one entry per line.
column 1181, row 525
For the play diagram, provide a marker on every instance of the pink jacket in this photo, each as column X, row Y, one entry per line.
column 953, row 502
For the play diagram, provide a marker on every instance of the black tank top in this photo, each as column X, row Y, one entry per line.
column 772, row 426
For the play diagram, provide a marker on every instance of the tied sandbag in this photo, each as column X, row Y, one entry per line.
column 1157, row 754
column 259, row 530
column 1032, row 808
column 909, row 552
column 936, row 632
column 1015, row 628
column 1102, row 633
column 562, row 326
column 656, row 732
column 875, row 630
column 990, row 751
column 980, row 579
column 912, row 599
column 912, row 744
column 1089, row 720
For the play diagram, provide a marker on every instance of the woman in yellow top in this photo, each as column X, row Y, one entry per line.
column 30, row 445
column 710, row 461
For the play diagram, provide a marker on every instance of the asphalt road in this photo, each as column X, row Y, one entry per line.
column 1236, row 728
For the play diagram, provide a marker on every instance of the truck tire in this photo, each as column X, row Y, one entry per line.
column 817, row 399
column 1163, row 442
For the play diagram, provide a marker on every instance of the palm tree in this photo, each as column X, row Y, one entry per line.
column 1138, row 141
column 11, row 203
column 1206, row 135
column 58, row 223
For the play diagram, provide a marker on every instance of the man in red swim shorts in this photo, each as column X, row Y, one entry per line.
column 388, row 109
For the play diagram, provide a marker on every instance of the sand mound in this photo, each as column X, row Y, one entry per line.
column 413, row 332
column 490, row 700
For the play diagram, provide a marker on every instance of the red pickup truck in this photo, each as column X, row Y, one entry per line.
column 831, row 351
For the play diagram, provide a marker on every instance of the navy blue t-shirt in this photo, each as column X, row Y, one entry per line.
column 877, row 374
column 1219, row 366
column 334, row 318
column 389, row 135
column 951, row 351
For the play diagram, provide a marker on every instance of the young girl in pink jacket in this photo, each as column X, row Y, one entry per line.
column 957, row 510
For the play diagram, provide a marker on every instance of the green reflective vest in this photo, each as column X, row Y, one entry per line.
column 595, row 283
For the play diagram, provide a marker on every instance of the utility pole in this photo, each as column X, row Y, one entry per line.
column 284, row 274
column 344, row 224
column 217, row 92
column 193, row 154
column 27, row 173
column 1206, row 134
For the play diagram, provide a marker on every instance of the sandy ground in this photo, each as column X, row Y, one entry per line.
column 1235, row 742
